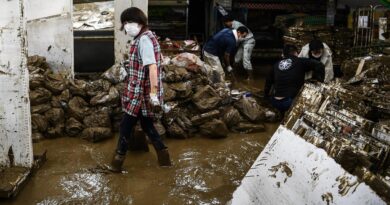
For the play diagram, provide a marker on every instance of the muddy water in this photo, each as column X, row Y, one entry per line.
column 205, row 171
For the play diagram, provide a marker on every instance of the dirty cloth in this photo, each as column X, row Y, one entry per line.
column 127, row 125
column 136, row 96
column 215, row 72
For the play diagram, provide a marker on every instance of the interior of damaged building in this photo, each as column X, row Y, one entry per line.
column 195, row 102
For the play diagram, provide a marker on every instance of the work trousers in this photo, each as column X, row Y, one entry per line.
column 244, row 53
column 126, row 130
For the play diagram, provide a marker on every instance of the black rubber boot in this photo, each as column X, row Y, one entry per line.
column 163, row 157
column 116, row 163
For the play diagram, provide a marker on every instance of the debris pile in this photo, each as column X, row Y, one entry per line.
column 350, row 120
column 91, row 107
column 93, row 16
column 339, row 40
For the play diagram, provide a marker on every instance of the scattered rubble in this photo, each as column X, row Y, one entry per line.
column 350, row 119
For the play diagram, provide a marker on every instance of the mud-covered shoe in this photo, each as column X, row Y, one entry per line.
column 163, row 158
column 116, row 163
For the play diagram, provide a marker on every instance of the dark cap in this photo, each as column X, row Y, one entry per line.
column 316, row 45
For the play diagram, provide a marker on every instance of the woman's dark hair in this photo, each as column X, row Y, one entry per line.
column 135, row 15
column 316, row 45
column 289, row 50
column 242, row 29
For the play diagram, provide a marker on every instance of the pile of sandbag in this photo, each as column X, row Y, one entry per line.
column 90, row 107
column 60, row 106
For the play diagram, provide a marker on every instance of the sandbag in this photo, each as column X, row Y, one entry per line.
column 182, row 89
column 36, row 80
column 204, row 117
column 77, row 108
column 96, row 134
column 116, row 74
column 214, row 129
column 96, row 87
column 55, row 116
column 231, row 116
column 106, row 98
column 98, row 119
column 250, row 109
column 37, row 61
column 175, row 131
column 160, row 129
column 55, row 83
column 175, row 74
column 206, row 98
column 169, row 94
column 39, row 96
column 61, row 101
column 39, row 123
column 189, row 61
column 39, row 109
column 77, row 88
column 73, row 127
column 247, row 127
column 56, row 131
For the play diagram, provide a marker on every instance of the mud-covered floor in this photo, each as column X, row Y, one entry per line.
column 205, row 171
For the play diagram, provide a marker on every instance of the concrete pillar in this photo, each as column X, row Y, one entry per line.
column 15, row 119
column 122, row 40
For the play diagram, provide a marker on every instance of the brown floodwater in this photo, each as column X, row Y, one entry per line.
column 204, row 171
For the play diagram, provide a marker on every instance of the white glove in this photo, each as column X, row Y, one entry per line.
column 154, row 99
column 229, row 69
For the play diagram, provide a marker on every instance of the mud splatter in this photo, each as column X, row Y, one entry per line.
column 345, row 184
column 327, row 197
column 284, row 168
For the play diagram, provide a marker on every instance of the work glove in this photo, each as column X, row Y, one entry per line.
column 155, row 102
column 229, row 69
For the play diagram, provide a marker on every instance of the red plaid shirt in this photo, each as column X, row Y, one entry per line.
column 136, row 96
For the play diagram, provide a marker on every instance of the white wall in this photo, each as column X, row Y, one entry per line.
column 50, row 32
column 15, row 119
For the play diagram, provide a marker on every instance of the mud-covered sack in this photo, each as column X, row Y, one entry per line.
column 73, row 127
column 78, row 108
column 182, row 89
column 250, row 109
column 39, row 123
column 169, row 94
column 214, row 129
column 77, row 87
column 96, row 134
column 231, row 116
column 55, row 131
column 39, row 109
column 37, row 61
column 98, row 119
column 106, row 98
column 160, row 128
column 247, row 127
column 96, row 87
column 116, row 74
column 189, row 61
column 36, row 80
column 204, row 117
column 206, row 98
column 55, row 116
column 40, row 96
column 176, row 74
column 55, row 82
column 183, row 121
column 62, row 100
column 175, row 131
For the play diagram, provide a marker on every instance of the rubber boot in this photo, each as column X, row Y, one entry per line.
column 163, row 158
column 116, row 163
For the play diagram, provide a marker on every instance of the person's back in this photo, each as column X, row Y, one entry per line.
column 223, row 41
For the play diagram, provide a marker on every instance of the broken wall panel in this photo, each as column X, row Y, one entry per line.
column 50, row 32
column 15, row 125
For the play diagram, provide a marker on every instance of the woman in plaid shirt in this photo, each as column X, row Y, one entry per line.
column 144, row 91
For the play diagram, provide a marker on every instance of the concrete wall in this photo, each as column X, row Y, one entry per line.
column 122, row 40
column 15, row 119
column 50, row 32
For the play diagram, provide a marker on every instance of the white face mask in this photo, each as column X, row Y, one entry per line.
column 317, row 56
column 132, row 29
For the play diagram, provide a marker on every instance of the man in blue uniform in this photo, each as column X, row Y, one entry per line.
column 222, row 45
